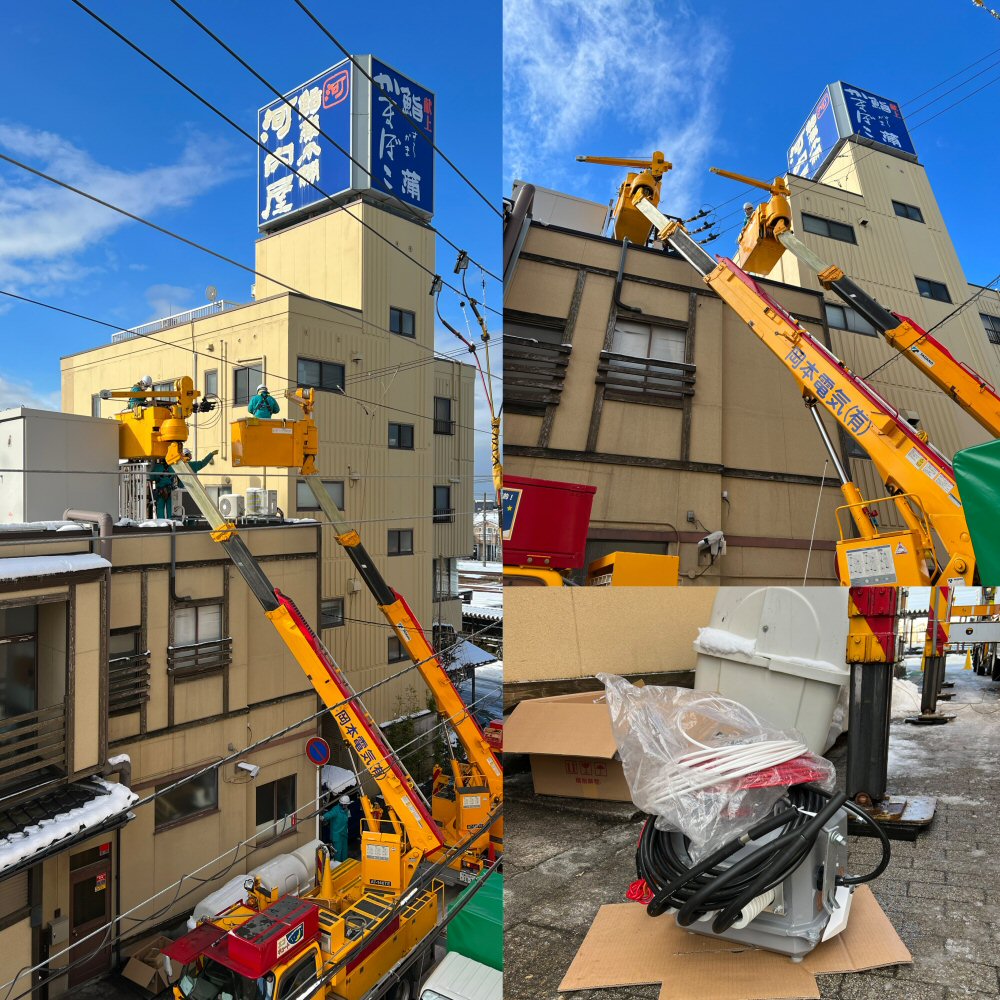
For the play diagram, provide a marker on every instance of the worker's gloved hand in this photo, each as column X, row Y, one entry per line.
column 211, row 457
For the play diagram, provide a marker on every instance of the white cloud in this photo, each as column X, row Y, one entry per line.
column 165, row 300
column 577, row 73
column 14, row 392
column 44, row 228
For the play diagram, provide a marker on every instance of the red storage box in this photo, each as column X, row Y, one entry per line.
column 544, row 522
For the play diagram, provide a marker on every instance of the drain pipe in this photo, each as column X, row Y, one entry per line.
column 104, row 527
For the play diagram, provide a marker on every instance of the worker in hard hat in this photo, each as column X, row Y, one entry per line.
column 164, row 482
column 263, row 405
column 336, row 819
column 143, row 385
column 196, row 467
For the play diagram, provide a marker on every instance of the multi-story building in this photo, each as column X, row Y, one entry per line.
column 395, row 422
column 624, row 371
column 120, row 673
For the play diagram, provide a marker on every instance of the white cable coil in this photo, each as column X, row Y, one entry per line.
column 704, row 768
column 754, row 908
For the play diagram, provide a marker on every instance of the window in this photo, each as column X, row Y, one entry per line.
column 905, row 211
column 331, row 612
column 829, row 228
column 401, row 542
column 992, row 324
column 122, row 643
column 543, row 329
column 325, row 375
column 276, row 807
column 212, row 382
column 396, row 651
column 245, row 382
column 401, row 436
column 641, row 340
column 444, row 513
column 403, row 322
column 298, row 976
column 305, row 500
column 846, row 318
column 95, row 405
column 202, row 623
column 443, row 424
column 14, row 900
column 933, row 290
column 445, row 579
column 18, row 661
column 196, row 797
column 168, row 386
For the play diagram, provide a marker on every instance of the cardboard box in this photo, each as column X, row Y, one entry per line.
column 146, row 967
column 571, row 746
column 626, row 947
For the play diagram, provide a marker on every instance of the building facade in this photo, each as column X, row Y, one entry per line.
column 122, row 673
column 622, row 370
column 395, row 422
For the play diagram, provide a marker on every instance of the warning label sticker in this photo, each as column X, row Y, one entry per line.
column 871, row 565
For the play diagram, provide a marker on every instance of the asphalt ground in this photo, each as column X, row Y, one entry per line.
column 565, row 858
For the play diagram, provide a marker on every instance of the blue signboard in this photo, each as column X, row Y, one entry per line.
column 875, row 118
column 402, row 162
column 510, row 500
column 815, row 141
column 293, row 140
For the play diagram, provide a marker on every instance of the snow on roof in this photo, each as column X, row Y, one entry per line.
column 32, row 840
column 336, row 779
column 16, row 569
column 482, row 611
column 44, row 526
column 466, row 654
column 467, row 566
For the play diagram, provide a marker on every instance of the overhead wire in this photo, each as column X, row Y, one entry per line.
column 254, row 139
column 420, row 131
column 333, row 142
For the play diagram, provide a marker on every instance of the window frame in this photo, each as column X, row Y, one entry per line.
column 323, row 366
column 854, row 322
column 323, row 612
column 397, row 653
column 24, row 639
column 288, row 977
column 400, row 436
column 95, row 404
column 245, row 370
column 198, row 609
column 398, row 549
column 176, row 821
column 396, row 317
column 677, row 337
column 213, row 374
column 819, row 222
column 445, row 514
column 931, row 285
column 991, row 324
column 907, row 211
column 281, row 824
column 313, row 505
column 443, row 425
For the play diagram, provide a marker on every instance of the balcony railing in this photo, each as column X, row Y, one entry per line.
column 645, row 380
column 210, row 309
column 128, row 683
column 199, row 658
column 444, row 426
column 32, row 742
column 533, row 374
column 444, row 515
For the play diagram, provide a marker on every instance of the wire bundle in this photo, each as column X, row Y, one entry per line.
column 695, row 890
column 705, row 768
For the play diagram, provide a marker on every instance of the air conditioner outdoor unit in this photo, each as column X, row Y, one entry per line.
column 261, row 502
column 232, row 505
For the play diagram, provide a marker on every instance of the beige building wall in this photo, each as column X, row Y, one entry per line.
column 741, row 453
column 388, row 379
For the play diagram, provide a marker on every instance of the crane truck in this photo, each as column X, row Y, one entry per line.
column 362, row 922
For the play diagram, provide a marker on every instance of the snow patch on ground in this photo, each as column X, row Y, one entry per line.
column 958, row 800
column 16, row 569
column 31, row 840
column 475, row 566
column 905, row 699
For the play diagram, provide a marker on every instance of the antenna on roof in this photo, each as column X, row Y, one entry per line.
column 211, row 293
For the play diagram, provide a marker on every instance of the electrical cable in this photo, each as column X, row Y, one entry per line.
column 696, row 889
column 420, row 131
column 221, row 114
column 333, row 142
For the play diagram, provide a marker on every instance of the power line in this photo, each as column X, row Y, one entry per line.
column 333, row 142
column 254, row 139
column 312, row 17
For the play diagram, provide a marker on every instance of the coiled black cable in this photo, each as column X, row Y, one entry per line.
column 663, row 859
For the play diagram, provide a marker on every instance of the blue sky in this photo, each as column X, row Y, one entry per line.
column 82, row 106
column 726, row 84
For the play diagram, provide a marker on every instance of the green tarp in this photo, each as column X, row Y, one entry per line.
column 476, row 931
column 977, row 471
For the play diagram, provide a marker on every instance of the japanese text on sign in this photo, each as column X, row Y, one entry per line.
column 876, row 118
column 815, row 142
column 826, row 391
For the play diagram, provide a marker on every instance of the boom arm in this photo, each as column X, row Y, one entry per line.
column 356, row 726
column 965, row 385
column 907, row 463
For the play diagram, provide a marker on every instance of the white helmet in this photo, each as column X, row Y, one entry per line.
column 262, row 388
column 146, row 380
column 344, row 800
